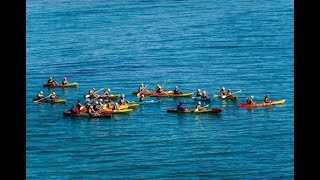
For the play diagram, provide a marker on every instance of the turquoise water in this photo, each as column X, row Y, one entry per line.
column 245, row 45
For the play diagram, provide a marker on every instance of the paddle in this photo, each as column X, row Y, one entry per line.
column 142, row 90
column 88, row 95
column 216, row 95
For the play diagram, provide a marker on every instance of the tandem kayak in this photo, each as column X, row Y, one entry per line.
column 70, row 85
column 121, row 111
column 132, row 105
column 232, row 97
column 263, row 104
column 52, row 101
column 214, row 111
column 111, row 96
column 87, row 115
column 202, row 99
column 146, row 93
column 171, row 95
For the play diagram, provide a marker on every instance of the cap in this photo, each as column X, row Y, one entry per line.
column 54, row 93
column 252, row 97
column 41, row 92
column 199, row 102
column 223, row 88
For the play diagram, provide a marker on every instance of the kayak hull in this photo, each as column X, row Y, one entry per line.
column 121, row 111
column 86, row 115
column 171, row 95
column 214, row 111
column 52, row 101
column 132, row 106
column 280, row 102
column 70, row 85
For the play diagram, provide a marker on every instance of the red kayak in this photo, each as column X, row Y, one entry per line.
column 263, row 104
column 87, row 115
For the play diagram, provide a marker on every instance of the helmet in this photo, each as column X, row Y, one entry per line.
column 229, row 89
column 54, row 93
column 122, row 95
column 176, row 86
column 142, row 95
column 50, row 77
column 97, row 102
column 160, row 87
column 252, row 97
column 93, row 89
column 199, row 102
column 41, row 92
column 204, row 92
column 108, row 89
column 101, row 100
column 65, row 78
column 199, row 90
column 142, row 84
column 91, row 106
column 223, row 88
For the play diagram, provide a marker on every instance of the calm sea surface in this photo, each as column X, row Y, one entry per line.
column 241, row 45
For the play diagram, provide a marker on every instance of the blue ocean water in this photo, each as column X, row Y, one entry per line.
column 242, row 45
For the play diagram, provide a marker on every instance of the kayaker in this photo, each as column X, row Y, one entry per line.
column 204, row 95
column 51, row 81
column 53, row 96
column 95, row 107
column 141, row 87
column 107, row 92
column 40, row 95
column 198, row 107
column 64, row 81
column 92, row 92
column 88, row 104
column 266, row 99
column 250, row 100
column 116, row 106
column 92, row 112
column 141, row 99
column 73, row 110
column 223, row 92
column 79, row 105
column 229, row 93
column 159, row 89
column 180, row 108
column 122, row 100
column 177, row 90
column 199, row 93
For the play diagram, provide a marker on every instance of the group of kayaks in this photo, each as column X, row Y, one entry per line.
column 127, row 108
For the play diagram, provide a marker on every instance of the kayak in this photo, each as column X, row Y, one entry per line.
column 150, row 92
column 70, row 85
column 111, row 96
column 263, row 104
column 132, row 105
column 87, row 115
column 121, row 111
column 214, row 110
column 171, row 95
column 201, row 99
column 52, row 101
column 232, row 97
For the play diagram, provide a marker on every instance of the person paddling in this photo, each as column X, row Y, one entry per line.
column 199, row 93
column 73, row 110
column 141, row 99
column 198, row 107
column 79, row 106
column 107, row 92
column 122, row 100
column 229, row 93
column 40, row 95
column 180, row 107
column 223, row 92
column 177, row 90
column 250, row 100
column 141, row 87
column 53, row 96
column 266, row 99
column 51, row 81
column 64, row 81
column 204, row 95
column 159, row 89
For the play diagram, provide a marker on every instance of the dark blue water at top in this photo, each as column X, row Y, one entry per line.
column 245, row 45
